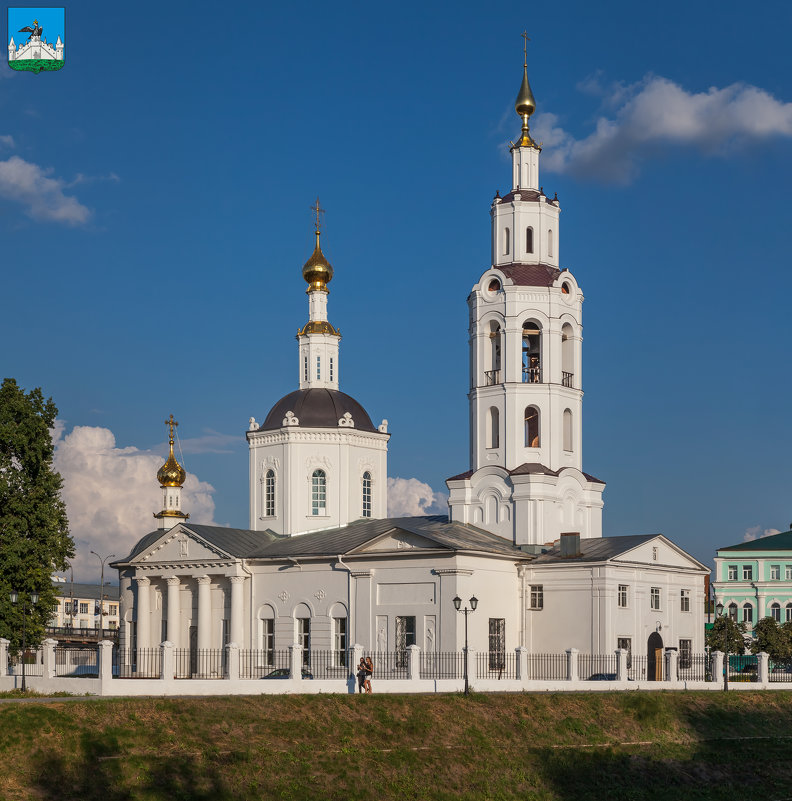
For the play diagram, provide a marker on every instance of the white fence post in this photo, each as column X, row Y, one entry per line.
column 4, row 643
column 572, row 665
column 470, row 657
column 48, row 658
column 671, row 664
column 167, row 661
column 413, row 662
column 621, row 664
column 357, row 655
column 717, row 667
column 295, row 661
column 104, row 654
column 232, row 662
column 763, row 667
column 522, row 663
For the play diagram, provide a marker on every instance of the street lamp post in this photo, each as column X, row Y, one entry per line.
column 719, row 611
column 33, row 601
column 467, row 611
column 101, row 588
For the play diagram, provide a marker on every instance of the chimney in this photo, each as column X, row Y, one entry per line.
column 570, row 545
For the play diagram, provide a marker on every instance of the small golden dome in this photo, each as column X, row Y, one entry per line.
column 525, row 104
column 171, row 474
column 317, row 270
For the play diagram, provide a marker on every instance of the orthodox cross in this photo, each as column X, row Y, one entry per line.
column 171, row 422
column 317, row 210
column 524, row 35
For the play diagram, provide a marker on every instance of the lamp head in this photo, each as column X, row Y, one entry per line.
column 473, row 603
column 34, row 598
column 457, row 603
column 719, row 608
column 14, row 595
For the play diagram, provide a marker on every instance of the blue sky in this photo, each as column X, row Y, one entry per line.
column 154, row 217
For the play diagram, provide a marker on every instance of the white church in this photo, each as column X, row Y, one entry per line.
column 324, row 567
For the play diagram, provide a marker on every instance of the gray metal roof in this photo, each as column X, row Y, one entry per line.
column 596, row 549
column 79, row 590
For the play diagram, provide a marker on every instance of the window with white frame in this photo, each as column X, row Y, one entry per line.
column 775, row 572
column 621, row 596
column 367, row 494
column 268, row 640
column 654, row 553
column 497, row 643
column 83, row 608
column 684, row 600
column 269, row 494
column 747, row 611
column 318, row 493
column 685, row 653
column 788, row 611
column 747, row 572
column 654, row 598
column 732, row 572
column 318, row 367
column 788, row 572
column 304, row 637
column 340, row 639
column 775, row 612
column 537, row 596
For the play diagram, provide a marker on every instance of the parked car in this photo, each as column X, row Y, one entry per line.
column 283, row 673
column 602, row 677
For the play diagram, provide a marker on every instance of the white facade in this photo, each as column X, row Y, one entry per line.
column 35, row 48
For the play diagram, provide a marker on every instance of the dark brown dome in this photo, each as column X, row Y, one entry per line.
column 317, row 408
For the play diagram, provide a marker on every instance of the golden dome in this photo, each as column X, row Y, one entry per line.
column 317, row 270
column 171, row 474
column 318, row 327
column 525, row 104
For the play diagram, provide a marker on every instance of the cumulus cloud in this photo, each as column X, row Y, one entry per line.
column 210, row 441
column 409, row 496
column 7, row 141
column 42, row 196
column 755, row 532
column 655, row 113
column 111, row 494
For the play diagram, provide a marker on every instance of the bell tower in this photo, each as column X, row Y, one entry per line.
column 525, row 324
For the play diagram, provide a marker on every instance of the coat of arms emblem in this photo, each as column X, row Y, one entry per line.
column 29, row 29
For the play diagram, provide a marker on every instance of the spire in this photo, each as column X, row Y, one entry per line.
column 171, row 477
column 525, row 104
column 317, row 270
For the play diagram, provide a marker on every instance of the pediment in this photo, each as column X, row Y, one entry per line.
column 179, row 544
column 660, row 552
column 399, row 540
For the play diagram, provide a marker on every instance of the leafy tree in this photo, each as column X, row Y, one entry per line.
column 726, row 634
column 34, row 529
column 773, row 639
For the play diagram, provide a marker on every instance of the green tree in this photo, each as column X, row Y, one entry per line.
column 771, row 638
column 34, row 529
column 725, row 635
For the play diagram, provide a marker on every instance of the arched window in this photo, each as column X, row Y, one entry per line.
column 567, row 430
column 318, row 368
column 267, row 618
column 493, row 374
column 318, row 493
column 788, row 611
column 269, row 494
column 529, row 240
column 302, row 631
column 747, row 613
column 733, row 611
column 305, row 364
column 567, row 356
column 493, row 433
column 531, row 353
column 550, row 243
column 775, row 612
column 367, row 494
column 532, row 427
column 506, row 241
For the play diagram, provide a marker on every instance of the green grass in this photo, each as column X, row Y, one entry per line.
column 36, row 65
column 545, row 747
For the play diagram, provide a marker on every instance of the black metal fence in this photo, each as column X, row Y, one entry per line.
column 329, row 664
column 780, row 671
column 263, row 664
column 496, row 665
column 597, row 667
column 743, row 667
column 547, row 666
column 137, row 663
column 694, row 667
column 77, row 662
column 34, row 663
column 389, row 664
column 199, row 663
column 442, row 665
column 637, row 667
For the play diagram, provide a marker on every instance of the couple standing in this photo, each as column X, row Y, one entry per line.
column 364, row 672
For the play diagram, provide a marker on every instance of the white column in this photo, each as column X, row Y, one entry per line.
column 671, row 665
column 522, row 663
column 4, row 643
column 237, row 584
column 143, row 612
column 572, row 664
column 763, row 667
column 105, row 656
column 48, row 658
column 204, row 613
column 621, row 664
column 173, row 610
column 413, row 663
column 717, row 667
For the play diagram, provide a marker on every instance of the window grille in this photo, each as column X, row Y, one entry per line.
column 318, row 493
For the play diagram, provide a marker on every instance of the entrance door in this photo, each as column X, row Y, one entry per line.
column 654, row 657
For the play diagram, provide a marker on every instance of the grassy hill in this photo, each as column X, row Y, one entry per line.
column 379, row 747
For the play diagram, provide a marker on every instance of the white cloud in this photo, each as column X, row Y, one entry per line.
column 7, row 141
column 111, row 494
column 409, row 496
column 211, row 442
column 657, row 113
column 755, row 532
column 81, row 178
column 42, row 196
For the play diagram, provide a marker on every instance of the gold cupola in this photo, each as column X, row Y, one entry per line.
column 171, row 474
column 525, row 104
column 317, row 271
